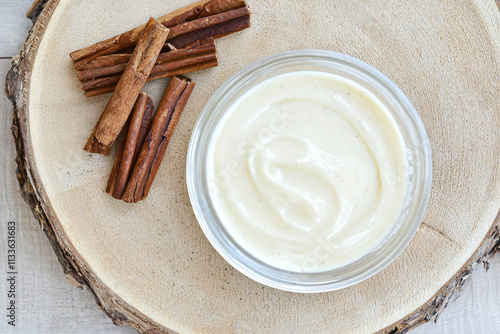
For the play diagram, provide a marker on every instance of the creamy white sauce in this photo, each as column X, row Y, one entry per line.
column 308, row 171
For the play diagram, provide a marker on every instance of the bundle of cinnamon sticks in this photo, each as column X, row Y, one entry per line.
column 177, row 43
column 141, row 151
column 189, row 45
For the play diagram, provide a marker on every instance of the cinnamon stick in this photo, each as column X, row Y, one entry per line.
column 127, row 90
column 101, row 82
column 113, row 64
column 108, row 84
column 99, row 91
column 214, row 26
column 118, row 160
column 159, row 70
column 106, row 61
column 191, row 12
column 102, row 71
column 130, row 145
column 164, row 122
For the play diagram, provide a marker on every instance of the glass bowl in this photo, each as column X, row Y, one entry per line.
column 417, row 147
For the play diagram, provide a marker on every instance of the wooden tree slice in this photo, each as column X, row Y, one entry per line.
column 150, row 266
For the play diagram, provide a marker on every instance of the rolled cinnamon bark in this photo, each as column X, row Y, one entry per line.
column 118, row 160
column 189, row 13
column 215, row 26
column 164, row 122
column 106, row 61
column 130, row 145
column 160, row 69
column 100, row 72
column 127, row 90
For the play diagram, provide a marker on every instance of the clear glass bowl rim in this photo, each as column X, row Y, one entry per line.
column 198, row 192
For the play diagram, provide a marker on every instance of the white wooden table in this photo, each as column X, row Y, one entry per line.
column 46, row 303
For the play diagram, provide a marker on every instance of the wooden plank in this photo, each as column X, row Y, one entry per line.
column 14, row 26
column 45, row 301
column 477, row 310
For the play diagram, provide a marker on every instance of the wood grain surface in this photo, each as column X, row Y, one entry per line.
column 51, row 306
